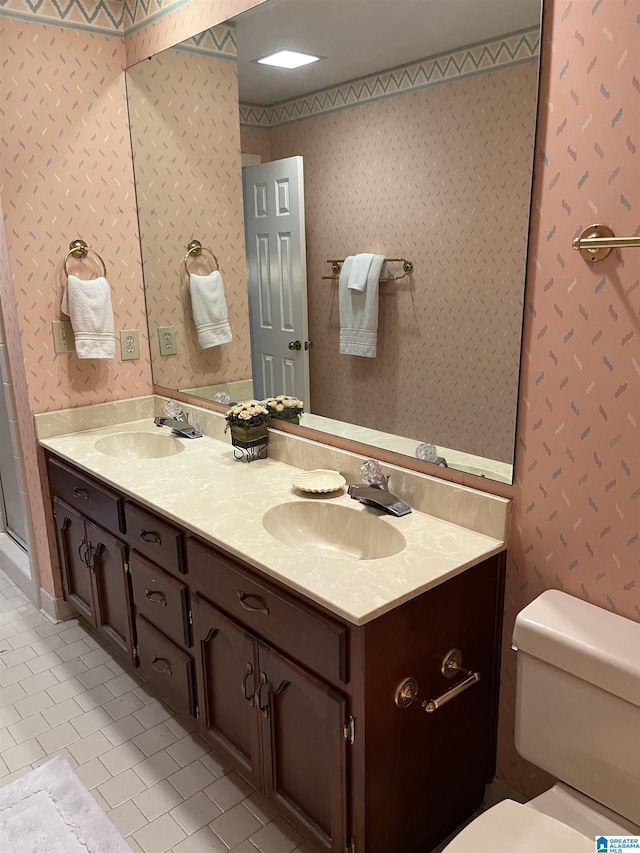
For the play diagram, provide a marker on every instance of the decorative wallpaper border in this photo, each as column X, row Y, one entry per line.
column 514, row 49
column 219, row 42
column 97, row 16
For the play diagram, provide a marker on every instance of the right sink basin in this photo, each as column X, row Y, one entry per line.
column 333, row 530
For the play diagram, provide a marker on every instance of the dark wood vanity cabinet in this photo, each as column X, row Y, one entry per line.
column 303, row 702
column 94, row 572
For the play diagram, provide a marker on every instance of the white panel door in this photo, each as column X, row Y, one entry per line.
column 277, row 278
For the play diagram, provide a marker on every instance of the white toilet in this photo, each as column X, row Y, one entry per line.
column 577, row 717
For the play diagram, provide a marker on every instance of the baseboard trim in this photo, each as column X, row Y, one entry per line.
column 55, row 607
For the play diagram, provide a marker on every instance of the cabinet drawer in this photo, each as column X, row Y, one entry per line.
column 92, row 499
column 167, row 666
column 161, row 599
column 155, row 538
column 310, row 637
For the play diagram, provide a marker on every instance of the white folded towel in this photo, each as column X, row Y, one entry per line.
column 209, row 309
column 359, row 311
column 360, row 270
column 88, row 306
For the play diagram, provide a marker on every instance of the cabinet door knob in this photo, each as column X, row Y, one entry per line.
column 295, row 345
column 81, row 493
column 260, row 607
column 155, row 597
column 150, row 537
column 161, row 665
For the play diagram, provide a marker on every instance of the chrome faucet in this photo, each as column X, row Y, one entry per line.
column 177, row 421
column 375, row 490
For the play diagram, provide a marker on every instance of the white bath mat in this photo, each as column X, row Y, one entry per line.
column 50, row 810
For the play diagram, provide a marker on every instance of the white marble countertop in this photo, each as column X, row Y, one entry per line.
column 207, row 491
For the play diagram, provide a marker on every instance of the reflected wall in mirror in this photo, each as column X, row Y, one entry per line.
column 430, row 162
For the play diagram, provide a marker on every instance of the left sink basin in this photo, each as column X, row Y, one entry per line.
column 139, row 445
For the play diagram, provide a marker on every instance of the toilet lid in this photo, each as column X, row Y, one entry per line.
column 511, row 827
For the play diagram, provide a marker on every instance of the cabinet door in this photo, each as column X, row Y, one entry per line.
column 227, row 683
column 73, row 547
column 112, row 595
column 305, row 749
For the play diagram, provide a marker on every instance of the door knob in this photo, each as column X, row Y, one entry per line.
column 295, row 345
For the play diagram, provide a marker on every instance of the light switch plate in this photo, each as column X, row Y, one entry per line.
column 167, row 340
column 63, row 338
column 129, row 344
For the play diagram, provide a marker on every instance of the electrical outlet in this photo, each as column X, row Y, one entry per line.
column 63, row 339
column 129, row 344
column 167, row 340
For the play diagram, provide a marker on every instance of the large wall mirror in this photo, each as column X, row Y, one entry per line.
column 412, row 138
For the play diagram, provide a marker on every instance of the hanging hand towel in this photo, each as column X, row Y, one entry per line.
column 88, row 306
column 359, row 311
column 209, row 309
column 360, row 271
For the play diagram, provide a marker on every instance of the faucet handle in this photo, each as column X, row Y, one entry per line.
column 173, row 409
column 372, row 473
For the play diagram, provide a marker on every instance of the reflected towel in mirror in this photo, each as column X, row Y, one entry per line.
column 209, row 308
column 87, row 303
column 359, row 311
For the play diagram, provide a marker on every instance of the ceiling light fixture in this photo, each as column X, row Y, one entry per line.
column 288, row 59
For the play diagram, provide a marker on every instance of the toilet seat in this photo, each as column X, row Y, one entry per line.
column 511, row 827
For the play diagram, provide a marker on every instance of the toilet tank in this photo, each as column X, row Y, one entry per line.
column 578, row 698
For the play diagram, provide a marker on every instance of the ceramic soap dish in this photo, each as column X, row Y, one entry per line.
column 319, row 481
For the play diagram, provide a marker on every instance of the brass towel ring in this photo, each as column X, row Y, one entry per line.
column 196, row 248
column 79, row 249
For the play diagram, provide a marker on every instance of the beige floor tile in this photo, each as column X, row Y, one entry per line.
column 68, row 669
column 122, row 683
column 43, row 662
column 277, row 837
column 195, row 812
column 159, row 835
column 234, row 826
column 122, row 706
column 58, row 738
column 158, row 800
column 18, row 656
column 10, row 695
column 191, row 779
column 33, row 704
column 153, row 713
column 73, row 650
column 91, row 721
column 9, row 716
column 228, row 791
column 20, row 756
column 122, row 757
column 93, row 773
column 93, row 698
column 154, row 739
column 31, row 727
column 125, row 786
column 126, row 728
column 7, row 740
column 261, row 807
column 14, row 675
column 94, row 745
column 187, row 749
column 127, row 818
column 62, row 713
column 156, row 768
column 215, row 764
column 204, row 841
column 96, row 657
column 65, row 690
column 94, row 677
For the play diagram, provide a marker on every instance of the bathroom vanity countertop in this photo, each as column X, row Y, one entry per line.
column 222, row 500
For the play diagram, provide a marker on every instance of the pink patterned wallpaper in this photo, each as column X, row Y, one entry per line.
column 385, row 177
column 577, row 452
column 195, row 144
column 157, row 29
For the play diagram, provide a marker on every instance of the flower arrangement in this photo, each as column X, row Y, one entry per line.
column 284, row 407
column 248, row 414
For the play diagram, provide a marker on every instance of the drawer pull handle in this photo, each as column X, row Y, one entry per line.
column 161, row 665
column 248, row 696
column 155, row 597
column 151, row 538
column 81, row 493
column 260, row 607
column 264, row 709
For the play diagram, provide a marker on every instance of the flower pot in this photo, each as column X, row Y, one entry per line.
column 247, row 437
